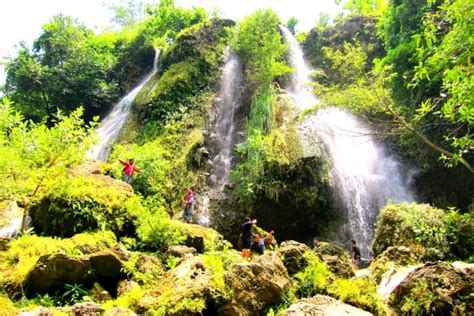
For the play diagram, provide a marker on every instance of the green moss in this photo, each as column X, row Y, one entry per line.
column 24, row 252
column 417, row 226
column 314, row 278
column 6, row 306
column 360, row 292
column 81, row 204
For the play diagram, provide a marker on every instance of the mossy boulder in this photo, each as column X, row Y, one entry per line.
column 420, row 227
column 322, row 305
column 435, row 288
column 82, row 203
column 25, row 252
column 292, row 254
column 53, row 271
column 256, row 285
column 336, row 258
column 390, row 260
column 179, row 252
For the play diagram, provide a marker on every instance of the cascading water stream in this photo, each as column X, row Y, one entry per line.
column 365, row 177
column 111, row 125
column 223, row 135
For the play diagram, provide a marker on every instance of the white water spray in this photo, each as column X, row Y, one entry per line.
column 111, row 125
column 364, row 175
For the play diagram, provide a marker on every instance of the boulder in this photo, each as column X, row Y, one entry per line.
column 99, row 294
column 256, row 285
column 292, row 253
column 87, row 309
column 179, row 252
column 435, row 288
column 84, row 202
column 336, row 258
column 390, row 260
column 53, row 271
column 186, row 289
column 126, row 286
column 322, row 305
column 107, row 264
column 201, row 238
column 149, row 265
column 119, row 311
column 419, row 227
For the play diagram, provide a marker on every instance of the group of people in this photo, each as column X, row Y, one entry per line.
column 259, row 243
column 251, row 242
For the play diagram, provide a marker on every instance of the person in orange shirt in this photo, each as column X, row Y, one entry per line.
column 128, row 170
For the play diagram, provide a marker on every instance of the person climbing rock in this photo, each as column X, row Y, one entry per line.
column 355, row 254
column 128, row 170
column 189, row 205
column 247, row 236
column 257, row 245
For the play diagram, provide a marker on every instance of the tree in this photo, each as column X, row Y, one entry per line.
column 33, row 155
column 366, row 7
column 260, row 46
column 67, row 67
column 291, row 24
column 128, row 12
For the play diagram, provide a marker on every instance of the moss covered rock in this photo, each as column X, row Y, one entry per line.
column 420, row 227
column 292, row 254
column 435, row 288
column 256, row 285
column 337, row 259
column 82, row 203
column 390, row 260
column 322, row 305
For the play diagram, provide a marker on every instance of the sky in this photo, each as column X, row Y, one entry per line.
column 21, row 20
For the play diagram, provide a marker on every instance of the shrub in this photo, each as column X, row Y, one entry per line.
column 360, row 292
column 314, row 278
column 418, row 226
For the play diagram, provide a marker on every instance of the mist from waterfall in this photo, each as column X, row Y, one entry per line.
column 111, row 125
column 223, row 133
column 364, row 175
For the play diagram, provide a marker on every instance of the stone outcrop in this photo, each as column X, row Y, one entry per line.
column 435, row 288
column 53, row 271
column 149, row 265
column 107, row 264
column 337, row 259
column 292, row 253
column 89, row 309
column 390, row 260
column 179, row 252
column 256, row 285
column 322, row 305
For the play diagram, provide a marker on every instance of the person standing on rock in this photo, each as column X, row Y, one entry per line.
column 247, row 236
column 189, row 205
column 355, row 254
column 128, row 170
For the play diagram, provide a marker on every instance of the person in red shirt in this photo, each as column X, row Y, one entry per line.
column 128, row 170
column 189, row 205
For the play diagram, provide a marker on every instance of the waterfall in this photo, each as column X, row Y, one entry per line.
column 223, row 133
column 299, row 88
column 364, row 175
column 111, row 125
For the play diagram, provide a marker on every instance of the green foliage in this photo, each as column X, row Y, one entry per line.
column 314, row 278
column 157, row 231
column 24, row 252
column 363, row 7
column 34, row 155
column 288, row 298
column 74, row 205
column 66, row 68
column 460, row 234
column 360, row 292
column 260, row 47
column 291, row 24
column 6, row 306
column 74, row 293
column 167, row 20
column 418, row 226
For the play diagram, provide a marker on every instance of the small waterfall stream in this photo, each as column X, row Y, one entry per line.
column 111, row 125
column 364, row 176
column 223, row 134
